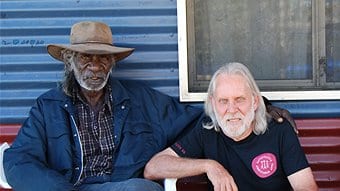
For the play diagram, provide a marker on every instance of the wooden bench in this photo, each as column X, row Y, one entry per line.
column 320, row 139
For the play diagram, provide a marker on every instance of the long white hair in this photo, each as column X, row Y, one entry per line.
column 233, row 68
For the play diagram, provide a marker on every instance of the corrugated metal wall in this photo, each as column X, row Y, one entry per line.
column 320, row 139
column 28, row 26
column 150, row 26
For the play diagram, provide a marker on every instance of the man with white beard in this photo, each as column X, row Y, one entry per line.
column 236, row 144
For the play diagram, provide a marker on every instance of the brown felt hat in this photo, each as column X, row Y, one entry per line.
column 91, row 38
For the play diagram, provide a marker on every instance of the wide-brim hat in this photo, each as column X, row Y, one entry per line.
column 91, row 38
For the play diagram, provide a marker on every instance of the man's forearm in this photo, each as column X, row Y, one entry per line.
column 303, row 180
column 167, row 166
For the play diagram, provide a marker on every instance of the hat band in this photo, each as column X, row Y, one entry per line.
column 95, row 42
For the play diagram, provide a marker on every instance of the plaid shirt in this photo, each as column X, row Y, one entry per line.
column 96, row 135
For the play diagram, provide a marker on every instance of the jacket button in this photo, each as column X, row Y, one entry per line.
column 74, row 135
column 65, row 105
column 123, row 107
column 77, row 168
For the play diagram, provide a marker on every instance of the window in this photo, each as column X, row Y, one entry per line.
column 291, row 47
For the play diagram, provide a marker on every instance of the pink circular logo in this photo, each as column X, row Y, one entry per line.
column 264, row 165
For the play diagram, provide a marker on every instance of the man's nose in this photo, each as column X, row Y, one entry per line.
column 232, row 107
column 95, row 63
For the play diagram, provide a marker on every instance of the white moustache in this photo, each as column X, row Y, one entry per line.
column 234, row 117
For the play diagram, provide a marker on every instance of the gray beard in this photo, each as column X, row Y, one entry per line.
column 235, row 132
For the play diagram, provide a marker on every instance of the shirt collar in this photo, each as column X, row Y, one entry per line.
column 108, row 100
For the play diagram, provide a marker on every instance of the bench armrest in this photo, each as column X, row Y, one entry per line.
column 170, row 184
column 3, row 180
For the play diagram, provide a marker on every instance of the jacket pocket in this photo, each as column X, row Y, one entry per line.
column 59, row 147
column 137, row 144
column 57, row 129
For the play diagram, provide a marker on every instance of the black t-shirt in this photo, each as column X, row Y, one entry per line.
column 259, row 162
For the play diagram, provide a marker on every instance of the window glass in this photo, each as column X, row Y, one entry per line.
column 333, row 40
column 274, row 38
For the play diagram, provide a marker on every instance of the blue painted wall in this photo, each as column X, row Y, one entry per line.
column 150, row 26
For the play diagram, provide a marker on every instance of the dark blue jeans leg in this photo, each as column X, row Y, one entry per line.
column 134, row 184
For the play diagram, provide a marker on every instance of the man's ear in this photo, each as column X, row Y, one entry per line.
column 68, row 66
column 256, row 101
column 212, row 100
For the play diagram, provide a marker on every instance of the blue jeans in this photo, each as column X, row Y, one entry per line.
column 134, row 184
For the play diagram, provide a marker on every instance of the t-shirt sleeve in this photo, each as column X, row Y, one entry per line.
column 293, row 156
column 190, row 145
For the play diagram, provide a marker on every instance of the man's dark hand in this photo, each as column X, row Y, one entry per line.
column 278, row 114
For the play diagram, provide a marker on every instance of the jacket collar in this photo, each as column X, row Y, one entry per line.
column 119, row 93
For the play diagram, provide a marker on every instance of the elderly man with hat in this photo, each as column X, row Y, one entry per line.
column 93, row 132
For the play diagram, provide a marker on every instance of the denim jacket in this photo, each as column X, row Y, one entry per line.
column 47, row 152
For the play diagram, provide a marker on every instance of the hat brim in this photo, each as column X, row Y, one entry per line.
column 90, row 48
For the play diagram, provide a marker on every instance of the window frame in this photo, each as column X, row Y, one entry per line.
column 319, row 54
